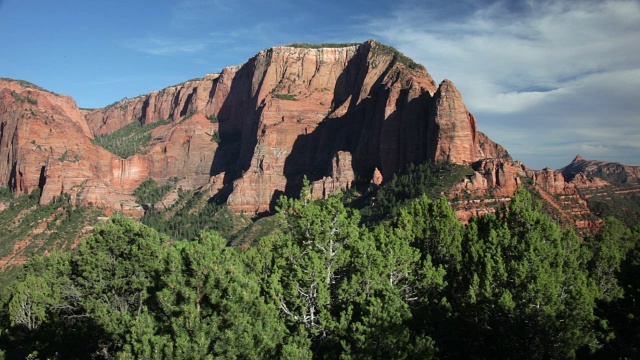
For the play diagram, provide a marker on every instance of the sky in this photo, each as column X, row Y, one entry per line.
column 546, row 79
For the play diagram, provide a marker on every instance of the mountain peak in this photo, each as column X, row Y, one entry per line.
column 577, row 158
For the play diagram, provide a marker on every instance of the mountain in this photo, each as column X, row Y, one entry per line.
column 612, row 172
column 619, row 191
column 194, row 159
column 339, row 115
column 331, row 114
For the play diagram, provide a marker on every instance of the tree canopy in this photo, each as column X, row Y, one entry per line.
column 326, row 284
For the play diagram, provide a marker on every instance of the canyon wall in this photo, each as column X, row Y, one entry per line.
column 254, row 131
column 330, row 114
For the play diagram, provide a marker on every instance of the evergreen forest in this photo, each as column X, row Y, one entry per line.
column 400, row 278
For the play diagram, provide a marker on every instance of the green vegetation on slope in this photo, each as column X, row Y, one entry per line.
column 624, row 206
column 285, row 97
column 148, row 192
column 130, row 139
column 213, row 118
column 28, row 84
column 192, row 213
column 420, row 285
column 28, row 229
column 429, row 179
column 22, row 99
column 382, row 49
column 621, row 201
column 320, row 46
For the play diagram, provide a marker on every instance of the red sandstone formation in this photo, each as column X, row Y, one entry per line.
column 46, row 143
column 621, row 173
column 500, row 176
column 331, row 114
column 494, row 181
column 377, row 177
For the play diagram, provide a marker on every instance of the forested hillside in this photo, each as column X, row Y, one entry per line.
column 415, row 283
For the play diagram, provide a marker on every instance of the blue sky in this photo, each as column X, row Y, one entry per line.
column 546, row 79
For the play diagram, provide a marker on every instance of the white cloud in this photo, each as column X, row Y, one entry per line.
column 565, row 74
column 153, row 45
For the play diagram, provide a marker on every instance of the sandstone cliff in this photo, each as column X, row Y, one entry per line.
column 566, row 193
column 331, row 114
column 45, row 143
column 612, row 171
column 254, row 131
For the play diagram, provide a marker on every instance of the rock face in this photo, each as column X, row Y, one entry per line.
column 45, row 143
column 499, row 176
column 565, row 192
column 256, row 130
column 173, row 102
column 331, row 114
column 616, row 172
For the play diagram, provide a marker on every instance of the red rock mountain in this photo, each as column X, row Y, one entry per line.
column 332, row 114
column 613, row 171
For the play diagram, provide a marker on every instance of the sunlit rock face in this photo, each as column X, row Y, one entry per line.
column 333, row 115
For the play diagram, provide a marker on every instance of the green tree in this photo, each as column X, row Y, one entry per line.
column 311, row 254
column 526, row 287
column 346, row 288
column 43, row 311
column 623, row 312
column 211, row 306
column 376, row 295
column 115, row 271
column 609, row 248
column 32, row 298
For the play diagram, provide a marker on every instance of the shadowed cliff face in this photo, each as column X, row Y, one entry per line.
column 331, row 114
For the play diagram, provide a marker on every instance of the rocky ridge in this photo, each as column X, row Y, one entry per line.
column 331, row 114
column 566, row 193
column 254, row 131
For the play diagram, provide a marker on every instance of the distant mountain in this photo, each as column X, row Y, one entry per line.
column 620, row 198
column 612, row 172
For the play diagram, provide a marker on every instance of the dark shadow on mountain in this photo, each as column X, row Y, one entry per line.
column 374, row 141
column 238, row 119
column 13, row 182
column 274, row 202
column 42, row 180
column 183, row 111
column 214, row 87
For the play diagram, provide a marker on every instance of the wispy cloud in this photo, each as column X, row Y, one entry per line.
column 164, row 46
column 545, row 68
column 109, row 81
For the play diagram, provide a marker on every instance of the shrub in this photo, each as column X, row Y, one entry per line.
column 213, row 118
column 22, row 99
column 215, row 137
column 286, row 97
